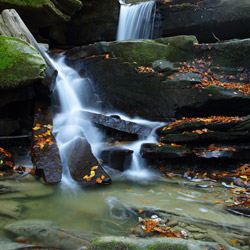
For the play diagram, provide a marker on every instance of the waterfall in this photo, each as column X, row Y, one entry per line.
column 136, row 21
column 68, row 125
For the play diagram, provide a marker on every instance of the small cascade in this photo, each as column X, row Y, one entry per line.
column 136, row 21
column 68, row 125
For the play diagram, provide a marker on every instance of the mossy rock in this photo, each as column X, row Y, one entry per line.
column 20, row 63
column 165, row 246
column 145, row 52
column 113, row 245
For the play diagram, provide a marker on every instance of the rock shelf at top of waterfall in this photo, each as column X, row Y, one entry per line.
column 136, row 21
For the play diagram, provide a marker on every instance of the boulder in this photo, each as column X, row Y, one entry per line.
column 9, row 245
column 207, row 130
column 117, row 123
column 167, row 78
column 48, row 234
column 118, row 158
column 83, row 166
column 96, row 21
column 210, row 21
column 21, row 64
column 106, row 242
column 49, row 11
column 45, row 153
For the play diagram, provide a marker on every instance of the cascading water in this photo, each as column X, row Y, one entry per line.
column 68, row 124
column 136, row 21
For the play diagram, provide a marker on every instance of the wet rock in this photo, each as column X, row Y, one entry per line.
column 119, row 124
column 235, row 129
column 168, row 151
column 10, row 208
column 82, row 161
column 8, row 245
column 208, row 20
column 198, row 236
column 48, row 234
column 45, row 153
column 116, row 157
column 172, row 223
column 13, row 189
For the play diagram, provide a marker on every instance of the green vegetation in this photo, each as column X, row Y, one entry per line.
column 19, row 62
column 113, row 245
column 31, row 3
column 116, row 245
column 165, row 246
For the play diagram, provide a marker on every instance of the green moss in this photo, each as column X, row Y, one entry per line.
column 31, row 3
column 145, row 52
column 113, row 245
column 165, row 246
column 19, row 62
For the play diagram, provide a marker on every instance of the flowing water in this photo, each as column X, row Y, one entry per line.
column 114, row 209
column 136, row 21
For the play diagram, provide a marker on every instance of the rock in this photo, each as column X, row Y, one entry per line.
column 9, row 126
column 208, row 20
column 180, row 86
column 198, row 236
column 45, row 153
column 8, row 245
column 51, row 12
column 159, row 151
column 96, row 21
column 172, row 223
column 48, row 234
column 81, row 162
column 164, row 242
column 195, row 130
column 10, row 209
column 21, row 63
column 13, row 189
column 116, row 157
column 117, row 123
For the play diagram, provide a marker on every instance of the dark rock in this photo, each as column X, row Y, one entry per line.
column 207, row 132
column 173, row 88
column 45, row 153
column 9, row 126
column 208, row 20
column 81, row 162
column 116, row 157
column 173, row 151
column 96, row 21
column 117, row 123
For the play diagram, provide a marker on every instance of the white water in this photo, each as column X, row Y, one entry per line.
column 136, row 21
column 67, row 125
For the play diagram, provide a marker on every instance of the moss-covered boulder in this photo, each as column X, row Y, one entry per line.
column 208, row 20
column 20, row 63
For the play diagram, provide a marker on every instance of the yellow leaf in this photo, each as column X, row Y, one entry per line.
column 233, row 242
column 36, row 128
column 94, row 168
column 140, row 211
